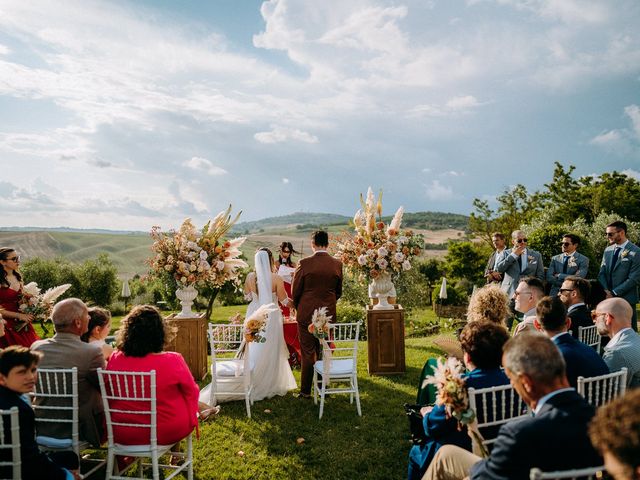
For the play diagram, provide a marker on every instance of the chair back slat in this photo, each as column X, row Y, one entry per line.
column 602, row 389
column 10, row 442
column 590, row 336
column 578, row 474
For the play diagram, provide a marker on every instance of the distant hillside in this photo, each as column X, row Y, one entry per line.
column 292, row 220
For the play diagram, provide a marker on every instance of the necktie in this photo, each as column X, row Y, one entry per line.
column 614, row 260
column 565, row 261
column 520, row 262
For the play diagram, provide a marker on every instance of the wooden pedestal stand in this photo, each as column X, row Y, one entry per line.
column 385, row 331
column 191, row 342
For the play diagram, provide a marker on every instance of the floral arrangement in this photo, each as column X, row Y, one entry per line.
column 255, row 325
column 319, row 326
column 192, row 257
column 376, row 248
column 453, row 395
column 38, row 304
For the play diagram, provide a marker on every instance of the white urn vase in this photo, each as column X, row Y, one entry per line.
column 382, row 288
column 186, row 295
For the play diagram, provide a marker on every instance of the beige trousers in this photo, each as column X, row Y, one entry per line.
column 451, row 463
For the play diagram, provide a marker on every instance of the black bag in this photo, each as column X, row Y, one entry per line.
column 418, row 437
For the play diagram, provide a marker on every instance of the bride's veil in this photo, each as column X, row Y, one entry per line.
column 263, row 277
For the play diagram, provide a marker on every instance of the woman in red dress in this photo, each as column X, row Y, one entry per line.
column 285, row 268
column 10, row 292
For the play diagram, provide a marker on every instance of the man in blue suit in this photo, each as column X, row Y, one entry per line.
column 613, row 319
column 573, row 293
column 555, row 438
column 620, row 269
column 569, row 262
column 517, row 262
column 581, row 360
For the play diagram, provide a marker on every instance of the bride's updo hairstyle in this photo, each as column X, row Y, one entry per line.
column 265, row 249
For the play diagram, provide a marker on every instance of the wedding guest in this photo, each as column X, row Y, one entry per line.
column 285, row 267
column 490, row 304
column 99, row 329
column 140, row 341
column 529, row 292
column 18, row 376
column 615, row 432
column 19, row 330
column 482, row 353
column 490, row 272
column 574, row 292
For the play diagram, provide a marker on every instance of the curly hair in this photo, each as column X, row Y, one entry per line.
column 489, row 303
column 143, row 331
column 616, row 429
column 483, row 342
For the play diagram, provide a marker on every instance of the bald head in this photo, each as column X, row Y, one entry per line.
column 619, row 314
column 70, row 315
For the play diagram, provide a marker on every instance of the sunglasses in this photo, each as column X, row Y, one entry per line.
column 611, row 234
column 523, row 240
column 285, row 251
column 562, row 290
column 14, row 259
column 566, row 244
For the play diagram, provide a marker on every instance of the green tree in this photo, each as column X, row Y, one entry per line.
column 48, row 273
column 466, row 260
column 99, row 280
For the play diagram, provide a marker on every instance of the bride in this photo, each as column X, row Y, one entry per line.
column 269, row 361
column 270, row 371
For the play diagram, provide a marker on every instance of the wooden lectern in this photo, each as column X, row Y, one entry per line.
column 191, row 342
column 385, row 331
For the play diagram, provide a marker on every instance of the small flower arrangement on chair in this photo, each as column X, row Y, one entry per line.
column 319, row 326
column 254, row 327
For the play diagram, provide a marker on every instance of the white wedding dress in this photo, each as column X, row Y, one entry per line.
column 270, row 371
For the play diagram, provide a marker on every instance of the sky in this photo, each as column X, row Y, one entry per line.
column 129, row 114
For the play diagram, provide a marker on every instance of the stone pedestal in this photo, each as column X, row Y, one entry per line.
column 385, row 332
column 191, row 342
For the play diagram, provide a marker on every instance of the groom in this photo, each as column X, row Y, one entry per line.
column 317, row 282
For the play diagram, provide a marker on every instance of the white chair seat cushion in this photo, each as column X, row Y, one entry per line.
column 139, row 449
column 338, row 367
column 229, row 368
column 51, row 442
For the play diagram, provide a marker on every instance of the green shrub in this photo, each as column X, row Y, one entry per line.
column 456, row 295
column 349, row 313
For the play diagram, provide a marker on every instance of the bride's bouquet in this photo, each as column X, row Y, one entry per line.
column 38, row 304
column 319, row 326
column 255, row 325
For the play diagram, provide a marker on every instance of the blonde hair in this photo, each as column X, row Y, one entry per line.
column 490, row 304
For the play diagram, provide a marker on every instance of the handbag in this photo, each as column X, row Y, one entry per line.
column 416, row 427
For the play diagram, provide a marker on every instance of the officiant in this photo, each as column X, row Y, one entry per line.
column 285, row 267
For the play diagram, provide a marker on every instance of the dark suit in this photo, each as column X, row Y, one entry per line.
column 581, row 359
column 578, row 266
column 580, row 317
column 555, row 439
column 624, row 278
column 441, row 430
column 317, row 282
column 36, row 465
column 491, row 266
column 66, row 350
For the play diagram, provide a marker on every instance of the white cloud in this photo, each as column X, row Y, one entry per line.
column 4, row 50
column 280, row 134
column 463, row 103
column 203, row 165
column 622, row 141
column 438, row 192
column 633, row 112
column 452, row 173
column 285, row 181
column 632, row 173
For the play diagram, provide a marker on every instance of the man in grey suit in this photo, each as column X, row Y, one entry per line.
column 500, row 245
column 569, row 262
column 517, row 262
column 620, row 269
column 66, row 350
column 613, row 319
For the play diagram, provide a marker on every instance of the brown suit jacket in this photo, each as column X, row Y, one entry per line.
column 317, row 282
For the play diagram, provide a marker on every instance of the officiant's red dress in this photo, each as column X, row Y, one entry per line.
column 25, row 337
column 290, row 329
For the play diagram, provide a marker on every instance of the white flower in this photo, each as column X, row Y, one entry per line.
column 402, row 240
column 398, row 257
column 362, row 259
column 382, row 252
column 382, row 263
column 31, row 288
column 168, row 267
column 170, row 259
column 193, row 267
column 371, row 253
column 220, row 265
column 193, row 246
column 203, row 255
column 406, row 265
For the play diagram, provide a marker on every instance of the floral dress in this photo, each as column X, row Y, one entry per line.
column 9, row 299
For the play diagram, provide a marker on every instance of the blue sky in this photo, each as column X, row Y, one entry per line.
column 127, row 114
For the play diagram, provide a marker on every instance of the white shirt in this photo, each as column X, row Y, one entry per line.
column 616, row 338
column 574, row 306
column 546, row 398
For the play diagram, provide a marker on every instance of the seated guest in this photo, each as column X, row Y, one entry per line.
column 615, row 432
column 580, row 359
column 18, row 375
column 489, row 304
column 555, row 438
column 529, row 292
column 482, row 351
column 613, row 319
column 66, row 350
column 99, row 329
column 139, row 343
column 574, row 293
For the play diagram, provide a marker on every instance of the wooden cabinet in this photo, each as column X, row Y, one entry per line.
column 191, row 342
column 385, row 331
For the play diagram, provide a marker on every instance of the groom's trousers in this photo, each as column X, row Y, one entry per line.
column 310, row 349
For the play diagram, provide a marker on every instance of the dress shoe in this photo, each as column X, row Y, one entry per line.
column 303, row 395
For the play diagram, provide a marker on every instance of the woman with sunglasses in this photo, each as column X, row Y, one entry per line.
column 285, row 267
column 19, row 330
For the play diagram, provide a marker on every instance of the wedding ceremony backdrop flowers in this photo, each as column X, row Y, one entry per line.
column 377, row 251
column 38, row 304
column 190, row 258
